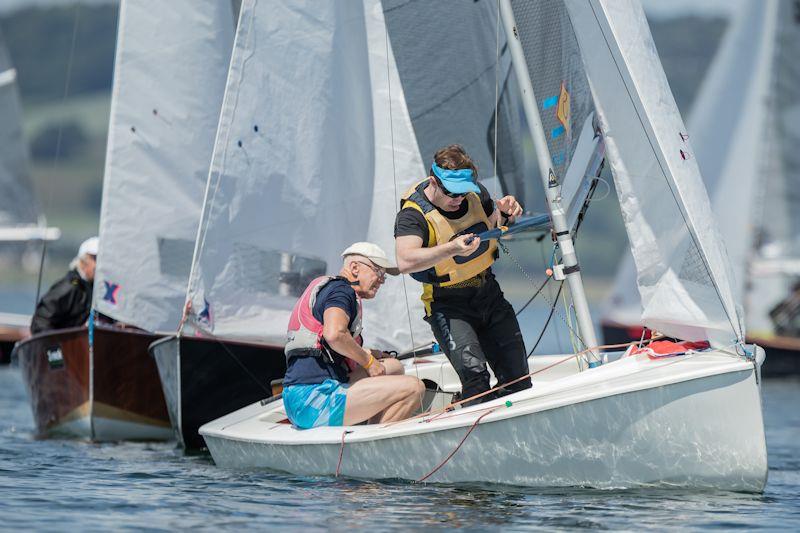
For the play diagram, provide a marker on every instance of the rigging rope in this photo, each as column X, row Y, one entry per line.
column 472, row 427
column 396, row 197
column 57, row 156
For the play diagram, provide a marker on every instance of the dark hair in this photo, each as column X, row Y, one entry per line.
column 454, row 157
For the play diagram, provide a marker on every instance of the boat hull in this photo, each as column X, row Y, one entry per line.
column 13, row 328
column 701, row 432
column 204, row 379
column 108, row 393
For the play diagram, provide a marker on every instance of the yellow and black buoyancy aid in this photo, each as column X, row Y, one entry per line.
column 453, row 270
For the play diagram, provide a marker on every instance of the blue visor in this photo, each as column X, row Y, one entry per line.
column 456, row 181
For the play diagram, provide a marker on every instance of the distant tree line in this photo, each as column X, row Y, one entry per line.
column 39, row 41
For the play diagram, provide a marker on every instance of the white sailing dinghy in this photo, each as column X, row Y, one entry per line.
column 689, row 418
column 298, row 148
column 21, row 220
column 745, row 127
column 99, row 382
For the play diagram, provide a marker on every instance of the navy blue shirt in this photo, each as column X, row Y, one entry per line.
column 310, row 370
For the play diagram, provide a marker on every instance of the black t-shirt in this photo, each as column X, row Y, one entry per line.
column 310, row 370
column 410, row 221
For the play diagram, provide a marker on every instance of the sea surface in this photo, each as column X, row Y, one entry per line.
column 64, row 485
column 73, row 485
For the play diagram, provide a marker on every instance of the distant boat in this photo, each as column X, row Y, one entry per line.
column 99, row 382
column 672, row 415
column 21, row 219
column 745, row 127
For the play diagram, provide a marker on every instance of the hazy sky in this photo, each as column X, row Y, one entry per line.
column 658, row 8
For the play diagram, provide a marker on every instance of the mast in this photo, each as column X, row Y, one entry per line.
column 552, row 186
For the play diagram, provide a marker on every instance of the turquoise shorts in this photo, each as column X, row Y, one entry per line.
column 309, row 406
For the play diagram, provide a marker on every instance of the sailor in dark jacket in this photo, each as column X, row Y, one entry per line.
column 69, row 300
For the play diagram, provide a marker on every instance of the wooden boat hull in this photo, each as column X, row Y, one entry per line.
column 204, row 379
column 109, row 393
column 783, row 353
column 13, row 328
column 691, row 421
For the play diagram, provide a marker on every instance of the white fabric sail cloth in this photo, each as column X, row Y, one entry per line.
column 169, row 79
column 314, row 147
column 20, row 214
column 740, row 106
column 684, row 276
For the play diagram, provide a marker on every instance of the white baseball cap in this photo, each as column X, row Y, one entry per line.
column 89, row 247
column 374, row 253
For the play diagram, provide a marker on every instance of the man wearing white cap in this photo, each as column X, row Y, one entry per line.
column 331, row 379
column 69, row 300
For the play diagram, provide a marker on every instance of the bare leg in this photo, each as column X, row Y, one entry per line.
column 391, row 397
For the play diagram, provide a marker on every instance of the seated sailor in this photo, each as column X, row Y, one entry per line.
column 331, row 379
column 68, row 302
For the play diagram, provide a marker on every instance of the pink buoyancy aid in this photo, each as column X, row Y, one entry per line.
column 304, row 336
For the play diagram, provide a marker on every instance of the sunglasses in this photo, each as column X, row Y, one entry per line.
column 381, row 273
column 448, row 193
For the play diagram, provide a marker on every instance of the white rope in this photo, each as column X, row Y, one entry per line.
column 396, row 196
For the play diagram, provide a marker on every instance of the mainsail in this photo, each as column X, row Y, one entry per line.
column 169, row 79
column 20, row 217
column 778, row 219
column 304, row 165
column 684, row 276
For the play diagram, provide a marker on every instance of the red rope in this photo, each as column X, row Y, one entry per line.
column 474, row 425
column 341, row 453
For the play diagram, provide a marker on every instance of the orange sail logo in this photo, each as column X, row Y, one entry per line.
column 562, row 111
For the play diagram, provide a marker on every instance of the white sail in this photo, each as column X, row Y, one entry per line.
column 169, row 78
column 300, row 170
column 726, row 128
column 684, row 275
column 398, row 165
column 19, row 211
column 730, row 126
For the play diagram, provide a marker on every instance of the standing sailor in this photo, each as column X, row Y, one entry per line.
column 435, row 241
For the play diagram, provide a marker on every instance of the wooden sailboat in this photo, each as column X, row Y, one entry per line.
column 99, row 382
column 688, row 417
column 744, row 129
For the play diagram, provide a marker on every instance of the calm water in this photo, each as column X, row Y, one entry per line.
column 52, row 484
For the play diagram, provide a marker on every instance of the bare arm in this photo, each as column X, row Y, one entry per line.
column 413, row 257
column 338, row 337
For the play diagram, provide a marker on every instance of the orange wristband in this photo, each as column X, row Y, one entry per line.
column 370, row 362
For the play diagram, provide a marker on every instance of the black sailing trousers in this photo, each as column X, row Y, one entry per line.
column 478, row 329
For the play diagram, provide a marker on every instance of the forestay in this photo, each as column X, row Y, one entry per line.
column 169, row 80
column 305, row 164
column 17, row 203
column 684, row 276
